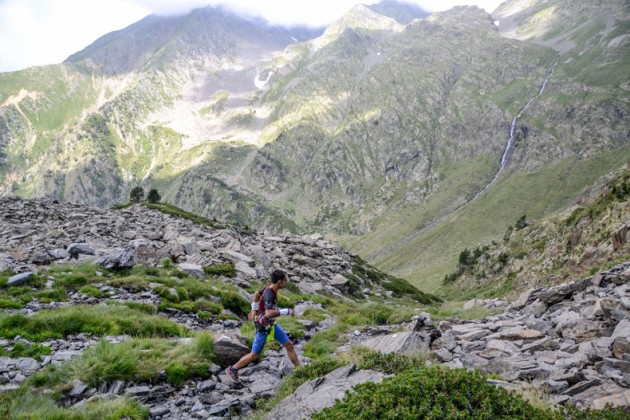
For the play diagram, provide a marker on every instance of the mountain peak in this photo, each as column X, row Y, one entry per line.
column 403, row 13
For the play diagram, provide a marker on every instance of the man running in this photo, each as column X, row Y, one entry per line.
column 266, row 304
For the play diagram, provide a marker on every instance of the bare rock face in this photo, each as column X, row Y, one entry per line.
column 321, row 393
column 403, row 342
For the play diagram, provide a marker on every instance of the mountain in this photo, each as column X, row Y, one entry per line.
column 387, row 131
column 590, row 235
column 402, row 12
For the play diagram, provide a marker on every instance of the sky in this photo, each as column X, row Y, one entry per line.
column 39, row 32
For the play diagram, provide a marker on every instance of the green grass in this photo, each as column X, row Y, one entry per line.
column 176, row 211
column 99, row 320
column 141, row 359
column 19, row 349
column 26, row 404
column 207, row 296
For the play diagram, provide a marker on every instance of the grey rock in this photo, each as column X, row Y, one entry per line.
column 59, row 254
column 402, row 342
column 581, row 387
column 19, row 279
column 621, row 347
column 622, row 330
column 245, row 269
column 138, row 391
column 192, row 269
column 78, row 388
column 76, row 249
column 206, row 386
column 123, row 258
column 116, row 387
column 321, row 393
column 229, row 350
column 26, row 364
column 159, row 411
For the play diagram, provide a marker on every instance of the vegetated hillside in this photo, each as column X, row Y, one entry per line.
column 369, row 133
column 591, row 235
column 562, row 141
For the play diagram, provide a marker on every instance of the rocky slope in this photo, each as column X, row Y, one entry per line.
column 570, row 340
column 37, row 233
column 370, row 132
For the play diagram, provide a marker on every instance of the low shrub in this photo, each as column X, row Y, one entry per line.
column 431, row 393
column 227, row 270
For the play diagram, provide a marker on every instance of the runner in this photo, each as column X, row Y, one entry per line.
column 264, row 313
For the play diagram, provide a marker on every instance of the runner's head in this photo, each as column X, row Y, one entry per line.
column 279, row 276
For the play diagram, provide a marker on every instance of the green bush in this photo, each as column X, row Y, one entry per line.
column 24, row 404
column 91, row 291
column 431, row 393
column 390, row 363
column 142, row 307
column 136, row 195
column 233, row 301
column 105, row 363
column 402, row 288
column 154, row 196
column 176, row 372
column 167, row 263
column 204, row 346
column 227, row 270
column 54, row 295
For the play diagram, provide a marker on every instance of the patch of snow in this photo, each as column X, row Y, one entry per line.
column 261, row 83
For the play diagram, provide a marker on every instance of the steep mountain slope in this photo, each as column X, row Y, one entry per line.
column 591, row 234
column 373, row 132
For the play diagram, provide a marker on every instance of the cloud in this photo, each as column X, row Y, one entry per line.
column 37, row 32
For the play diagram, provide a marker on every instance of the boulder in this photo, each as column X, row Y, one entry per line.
column 76, row 249
column 620, row 347
column 229, row 350
column 407, row 342
column 321, row 393
column 192, row 269
column 622, row 330
column 122, row 258
column 19, row 279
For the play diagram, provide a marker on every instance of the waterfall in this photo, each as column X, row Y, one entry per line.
column 510, row 144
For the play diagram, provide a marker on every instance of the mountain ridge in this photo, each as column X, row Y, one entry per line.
column 366, row 135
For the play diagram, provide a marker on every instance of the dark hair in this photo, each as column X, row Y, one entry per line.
column 278, row 275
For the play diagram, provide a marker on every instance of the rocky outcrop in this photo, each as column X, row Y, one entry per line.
column 36, row 233
column 321, row 393
column 571, row 340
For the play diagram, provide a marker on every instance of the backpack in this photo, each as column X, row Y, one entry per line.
column 261, row 319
